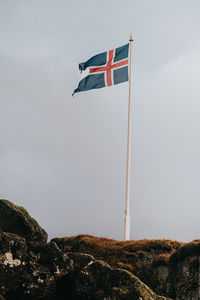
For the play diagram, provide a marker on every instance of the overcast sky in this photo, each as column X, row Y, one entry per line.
column 64, row 158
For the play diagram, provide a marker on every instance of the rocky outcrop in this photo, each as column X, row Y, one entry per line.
column 185, row 263
column 90, row 268
column 97, row 280
column 169, row 268
column 15, row 219
column 54, row 275
column 21, row 276
column 81, row 276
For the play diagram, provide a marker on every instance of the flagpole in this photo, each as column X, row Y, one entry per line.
column 127, row 219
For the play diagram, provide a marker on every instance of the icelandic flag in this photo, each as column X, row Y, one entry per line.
column 105, row 69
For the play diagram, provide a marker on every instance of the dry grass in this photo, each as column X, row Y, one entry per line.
column 186, row 250
column 115, row 252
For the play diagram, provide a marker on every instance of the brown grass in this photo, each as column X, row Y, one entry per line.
column 186, row 250
column 115, row 252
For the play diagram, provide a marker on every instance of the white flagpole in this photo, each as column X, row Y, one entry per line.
column 127, row 219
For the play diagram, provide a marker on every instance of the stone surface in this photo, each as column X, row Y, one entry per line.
column 186, row 280
column 81, row 276
column 21, row 276
column 55, row 275
column 169, row 268
column 16, row 219
column 98, row 281
column 57, row 262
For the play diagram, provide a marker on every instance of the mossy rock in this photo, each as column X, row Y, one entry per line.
column 97, row 281
column 57, row 262
column 140, row 257
column 12, row 243
column 16, row 219
column 21, row 276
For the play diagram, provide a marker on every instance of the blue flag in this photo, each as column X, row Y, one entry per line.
column 105, row 69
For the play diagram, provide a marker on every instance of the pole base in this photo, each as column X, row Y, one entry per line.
column 127, row 228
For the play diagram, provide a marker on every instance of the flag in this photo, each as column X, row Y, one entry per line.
column 105, row 69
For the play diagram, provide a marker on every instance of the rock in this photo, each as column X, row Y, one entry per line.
column 80, row 260
column 54, row 275
column 169, row 268
column 21, row 276
column 98, row 281
column 81, row 276
column 186, row 280
column 57, row 262
column 146, row 259
column 13, row 249
column 185, row 263
column 16, row 219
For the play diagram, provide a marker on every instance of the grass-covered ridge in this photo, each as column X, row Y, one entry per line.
column 126, row 254
column 132, row 245
column 117, row 253
column 155, row 262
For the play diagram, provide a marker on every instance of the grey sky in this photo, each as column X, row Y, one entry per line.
column 63, row 158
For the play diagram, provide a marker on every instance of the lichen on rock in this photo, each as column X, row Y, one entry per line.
column 21, row 276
